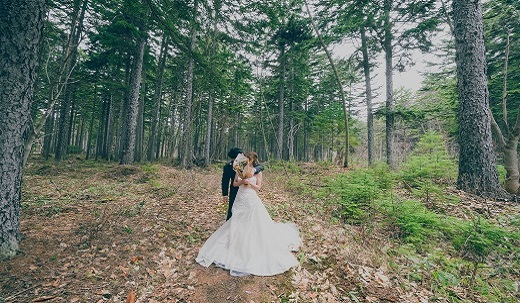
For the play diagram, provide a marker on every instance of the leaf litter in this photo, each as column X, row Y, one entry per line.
column 106, row 233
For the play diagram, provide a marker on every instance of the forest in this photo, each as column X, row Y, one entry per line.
column 116, row 118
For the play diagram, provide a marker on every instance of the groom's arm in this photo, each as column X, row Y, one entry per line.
column 258, row 168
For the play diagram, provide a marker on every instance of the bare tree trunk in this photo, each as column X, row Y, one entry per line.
column 90, row 130
column 48, row 135
column 100, row 131
column 77, row 138
column 110, row 129
column 390, row 105
column 61, row 147
column 187, row 152
column 208, row 130
column 279, row 150
column 368, row 96
column 19, row 50
column 72, row 119
column 128, row 137
column 292, row 130
column 157, row 99
column 107, row 129
column 477, row 161
column 139, row 136
column 121, row 120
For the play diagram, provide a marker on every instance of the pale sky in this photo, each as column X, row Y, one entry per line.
column 410, row 79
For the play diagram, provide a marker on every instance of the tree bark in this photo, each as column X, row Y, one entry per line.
column 292, row 129
column 390, row 105
column 477, row 160
column 61, row 147
column 279, row 150
column 22, row 23
column 139, row 136
column 100, row 130
column 132, row 108
column 187, row 149
column 368, row 96
column 90, row 130
column 106, row 130
column 47, row 140
column 157, row 99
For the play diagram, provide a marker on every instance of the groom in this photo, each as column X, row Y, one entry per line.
column 228, row 175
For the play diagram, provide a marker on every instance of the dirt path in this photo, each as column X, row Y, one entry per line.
column 102, row 232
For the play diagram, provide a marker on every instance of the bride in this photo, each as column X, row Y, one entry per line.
column 250, row 242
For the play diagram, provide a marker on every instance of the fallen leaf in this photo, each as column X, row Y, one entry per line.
column 131, row 298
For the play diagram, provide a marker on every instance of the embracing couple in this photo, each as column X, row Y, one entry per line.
column 249, row 242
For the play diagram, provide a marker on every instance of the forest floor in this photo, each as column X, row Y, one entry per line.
column 100, row 232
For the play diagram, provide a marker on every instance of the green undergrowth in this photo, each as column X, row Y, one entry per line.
column 97, row 182
column 414, row 208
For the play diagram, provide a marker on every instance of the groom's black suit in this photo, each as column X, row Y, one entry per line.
column 228, row 176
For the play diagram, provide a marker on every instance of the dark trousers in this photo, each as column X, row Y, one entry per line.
column 232, row 195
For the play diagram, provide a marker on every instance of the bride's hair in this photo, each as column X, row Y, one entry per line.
column 253, row 157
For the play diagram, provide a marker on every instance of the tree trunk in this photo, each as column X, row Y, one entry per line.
column 208, row 130
column 47, row 139
column 132, row 108
column 477, row 161
column 22, row 23
column 139, row 135
column 79, row 132
column 90, row 130
column 72, row 119
column 187, row 149
column 279, row 150
column 512, row 183
column 121, row 120
column 368, row 96
column 107, row 129
column 61, row 147
column 100, row 131
column 157, row 99
column 390, row 106
column 110, row 129
column 292, row 130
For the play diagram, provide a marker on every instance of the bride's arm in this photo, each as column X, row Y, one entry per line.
column 258, row 184
column 236, row 182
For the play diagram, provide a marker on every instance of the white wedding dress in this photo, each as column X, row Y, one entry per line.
column 250, row 242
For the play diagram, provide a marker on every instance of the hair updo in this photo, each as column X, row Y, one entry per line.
column 253, row 157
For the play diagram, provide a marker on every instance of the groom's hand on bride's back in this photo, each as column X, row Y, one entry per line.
column 258, row 168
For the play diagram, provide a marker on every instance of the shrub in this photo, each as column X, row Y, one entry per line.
column 414, row 222
column 356, row 190
column 429, row 160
